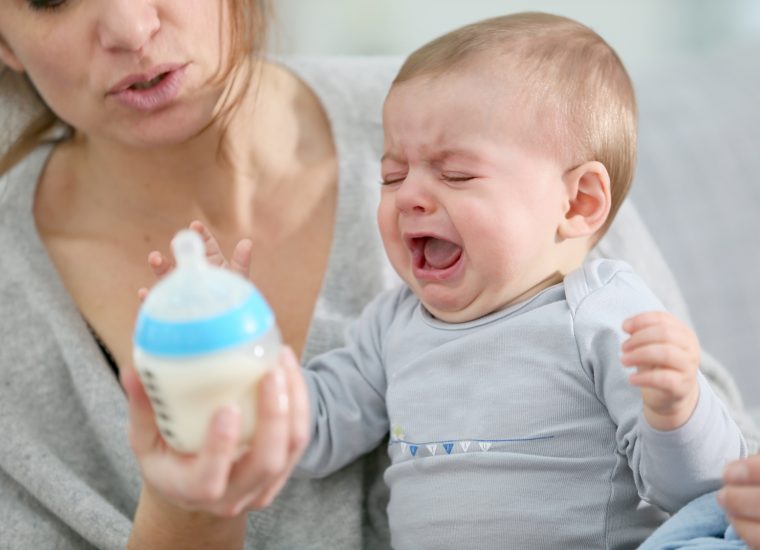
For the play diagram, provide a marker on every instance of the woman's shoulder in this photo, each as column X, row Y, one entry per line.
column 18, row 185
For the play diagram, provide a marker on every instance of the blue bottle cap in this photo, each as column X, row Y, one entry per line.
column 199, row 308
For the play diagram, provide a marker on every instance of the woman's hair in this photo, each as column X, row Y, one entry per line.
column 247, row 34
column 569, row 80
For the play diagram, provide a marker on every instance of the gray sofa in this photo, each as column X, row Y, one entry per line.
column 697, row 188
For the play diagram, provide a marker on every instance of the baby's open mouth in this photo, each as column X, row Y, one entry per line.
column 432, row 253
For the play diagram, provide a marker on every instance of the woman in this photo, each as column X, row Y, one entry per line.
column 169, row 119
column 741, row 498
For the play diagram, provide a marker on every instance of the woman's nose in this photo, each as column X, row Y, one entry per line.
column 414, row 195
column 127, row 25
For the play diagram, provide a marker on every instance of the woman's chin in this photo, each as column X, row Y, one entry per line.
column 168, row 127
column 164, row 133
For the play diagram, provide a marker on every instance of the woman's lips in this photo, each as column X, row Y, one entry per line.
column 154, row 97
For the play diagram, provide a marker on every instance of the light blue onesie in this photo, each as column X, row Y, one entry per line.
column 515, row 430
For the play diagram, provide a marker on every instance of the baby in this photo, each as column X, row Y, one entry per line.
column 497, row 369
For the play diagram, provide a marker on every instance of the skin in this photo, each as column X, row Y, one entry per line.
column 128, row 180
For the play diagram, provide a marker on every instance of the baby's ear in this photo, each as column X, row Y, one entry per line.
column 588, row 188
column 9, row 58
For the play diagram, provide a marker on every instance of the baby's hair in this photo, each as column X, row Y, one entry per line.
column 572, row 83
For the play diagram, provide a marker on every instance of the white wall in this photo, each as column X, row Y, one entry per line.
column 642, row 31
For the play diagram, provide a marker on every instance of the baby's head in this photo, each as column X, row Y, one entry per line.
column 509, row 146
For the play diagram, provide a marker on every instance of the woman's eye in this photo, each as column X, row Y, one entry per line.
column 45, row 4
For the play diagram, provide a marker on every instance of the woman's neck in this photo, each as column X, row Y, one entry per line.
column 276, row 131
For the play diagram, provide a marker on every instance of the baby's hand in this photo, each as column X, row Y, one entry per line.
column 665, row 353
column 240, row 263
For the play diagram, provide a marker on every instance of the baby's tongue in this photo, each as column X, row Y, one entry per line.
column 440, row 254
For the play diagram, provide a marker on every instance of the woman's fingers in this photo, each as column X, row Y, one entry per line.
column 143, row 431
column 299, row 403
column 212, row 465
column 298, row 400
column 741, row 498
column 744, row 472
column 748, row 530
column 266, row 460
column 742, row 501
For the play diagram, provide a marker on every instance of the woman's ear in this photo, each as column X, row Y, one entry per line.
column 9, row 58
column 589, row 199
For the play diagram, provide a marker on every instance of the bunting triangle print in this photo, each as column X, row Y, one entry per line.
column 465, row 445
column 432, row 448
column 403, row 447
column 413, row 449
column 485, row 446
column 447, row 447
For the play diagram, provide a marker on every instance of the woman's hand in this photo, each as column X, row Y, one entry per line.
column 216, row 480
column 741, row 498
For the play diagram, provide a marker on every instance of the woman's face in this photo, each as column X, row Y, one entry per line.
column 138, row 72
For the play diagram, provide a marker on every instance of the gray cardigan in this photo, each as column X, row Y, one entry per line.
column 68, row 478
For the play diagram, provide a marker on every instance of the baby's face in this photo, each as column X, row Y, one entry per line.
column 468, row 212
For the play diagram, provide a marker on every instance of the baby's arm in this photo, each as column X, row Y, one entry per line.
column 670, row 466
column 347, row 388
column 665, row 353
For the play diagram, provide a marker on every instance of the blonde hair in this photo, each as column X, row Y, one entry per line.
column 572, row 82
column 247, row 34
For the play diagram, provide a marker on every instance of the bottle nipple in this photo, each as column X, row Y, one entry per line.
column 188, row 249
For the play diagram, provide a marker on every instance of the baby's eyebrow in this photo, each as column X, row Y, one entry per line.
column 466, row 155
column 438, row 156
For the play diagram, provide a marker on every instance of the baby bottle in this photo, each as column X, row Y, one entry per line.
column 203, row 339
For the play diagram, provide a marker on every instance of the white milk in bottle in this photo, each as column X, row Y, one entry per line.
column 203, row 339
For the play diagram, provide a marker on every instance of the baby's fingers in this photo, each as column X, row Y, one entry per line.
column 667, row 330
column 213, row 250
column 159, row 264
column 241, row 258
column 644, row 320
column 660, row 355
column 666, row 380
